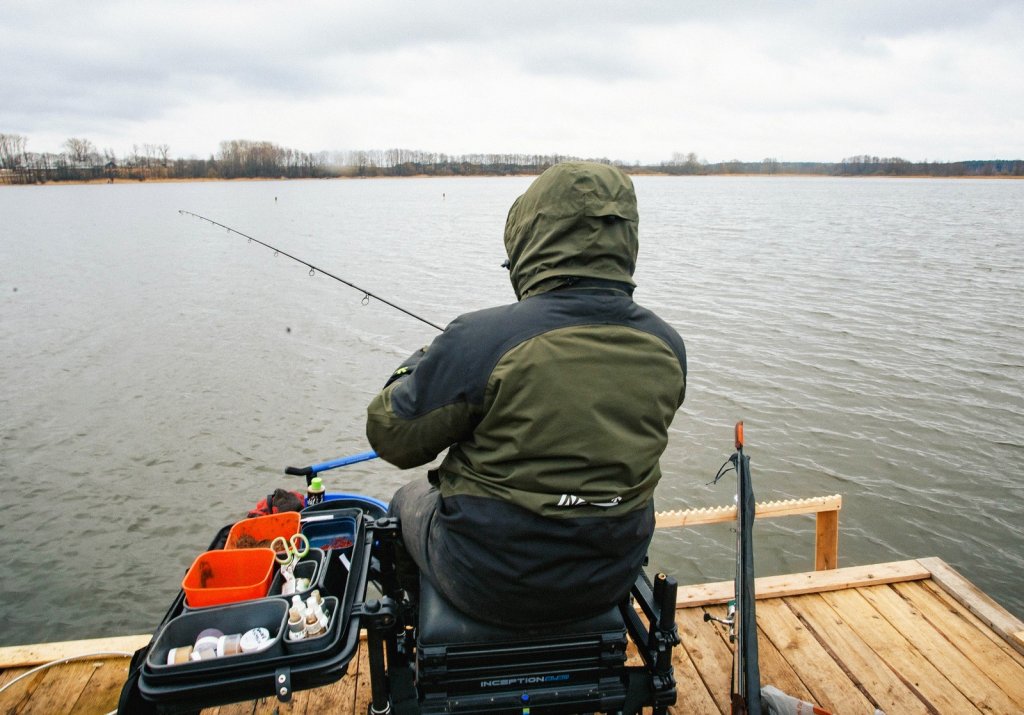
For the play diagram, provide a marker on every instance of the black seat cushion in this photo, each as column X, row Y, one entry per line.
column 440, row 623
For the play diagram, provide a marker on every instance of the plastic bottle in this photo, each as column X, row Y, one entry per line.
column 296, row 625
column 315, row 492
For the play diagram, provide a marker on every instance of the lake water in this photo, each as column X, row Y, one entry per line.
column 157, row 374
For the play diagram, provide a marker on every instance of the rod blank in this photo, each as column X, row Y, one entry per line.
column 314, row 269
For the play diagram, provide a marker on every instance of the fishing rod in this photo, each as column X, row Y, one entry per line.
column 313, row 270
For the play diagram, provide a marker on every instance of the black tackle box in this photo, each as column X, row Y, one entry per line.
column 279, row 666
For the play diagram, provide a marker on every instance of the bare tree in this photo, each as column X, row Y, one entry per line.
column 79, row 150
column 12, row 150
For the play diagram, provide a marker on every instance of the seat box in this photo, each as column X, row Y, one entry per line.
column 466, row 666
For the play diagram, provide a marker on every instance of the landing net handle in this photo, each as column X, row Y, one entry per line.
column 746, row 698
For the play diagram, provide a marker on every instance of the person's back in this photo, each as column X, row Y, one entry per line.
column 555, row 411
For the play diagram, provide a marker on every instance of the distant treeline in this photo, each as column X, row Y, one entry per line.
column 863, row 165
column 244, row 159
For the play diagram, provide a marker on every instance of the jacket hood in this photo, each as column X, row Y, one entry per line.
column 577, row 219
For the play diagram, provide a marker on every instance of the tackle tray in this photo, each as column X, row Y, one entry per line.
column 282, row 666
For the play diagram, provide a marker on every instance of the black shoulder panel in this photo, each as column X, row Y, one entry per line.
column 459, row 362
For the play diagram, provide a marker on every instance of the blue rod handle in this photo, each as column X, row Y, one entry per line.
column 343, row 461
column 333, row 464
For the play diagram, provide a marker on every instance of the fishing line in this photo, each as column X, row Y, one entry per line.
column 313, row 270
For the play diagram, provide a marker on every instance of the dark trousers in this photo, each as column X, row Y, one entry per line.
column 415, row 505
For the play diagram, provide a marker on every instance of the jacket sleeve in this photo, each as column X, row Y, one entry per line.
column 424, row 408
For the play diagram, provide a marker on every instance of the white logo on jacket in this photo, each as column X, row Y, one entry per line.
column 573, row 500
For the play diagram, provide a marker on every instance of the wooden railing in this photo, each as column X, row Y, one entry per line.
column 826, row 531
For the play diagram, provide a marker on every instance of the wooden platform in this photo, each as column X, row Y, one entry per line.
column 904, row 637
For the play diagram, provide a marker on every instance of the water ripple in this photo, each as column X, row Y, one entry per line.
column 158, row 376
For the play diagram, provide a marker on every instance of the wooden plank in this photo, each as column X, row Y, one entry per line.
column 954, row 605
column 246, row 707
column 692, row 694
column 762, row 510
column 6, row 676
column 22, row 655
column 13, row 699
column 933, row 645
column 711, row 659
column 898, row 653
column 363, row 693
column 968, row 638
column 808, row 582
column 829, row 685
column 826, row 541
column 103, row 690
column 273, row 706
column 871, row 675
column 1008, row 626
column 774, row 667
column 339, row 697
column 59, row 689
column 776, row 670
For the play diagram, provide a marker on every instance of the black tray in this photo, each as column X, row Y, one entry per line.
column 279, row 670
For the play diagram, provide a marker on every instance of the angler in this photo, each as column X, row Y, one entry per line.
column 567, row 393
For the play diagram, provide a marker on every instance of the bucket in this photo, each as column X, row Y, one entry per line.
column 258, row 532
column 217, row 577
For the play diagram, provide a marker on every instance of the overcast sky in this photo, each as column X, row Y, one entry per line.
column 630, row 80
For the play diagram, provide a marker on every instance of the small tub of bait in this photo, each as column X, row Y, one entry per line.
column 219, row 577
column 260, row 531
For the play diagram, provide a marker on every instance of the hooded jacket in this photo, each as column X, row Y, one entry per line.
column 554, row 410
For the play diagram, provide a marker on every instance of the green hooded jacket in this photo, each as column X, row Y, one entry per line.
column 554, row 410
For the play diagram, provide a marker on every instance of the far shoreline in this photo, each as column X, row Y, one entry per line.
column 158, row 180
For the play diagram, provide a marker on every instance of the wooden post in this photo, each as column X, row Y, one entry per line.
column 826, row 540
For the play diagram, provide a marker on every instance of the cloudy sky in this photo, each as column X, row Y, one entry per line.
column 633, row 80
